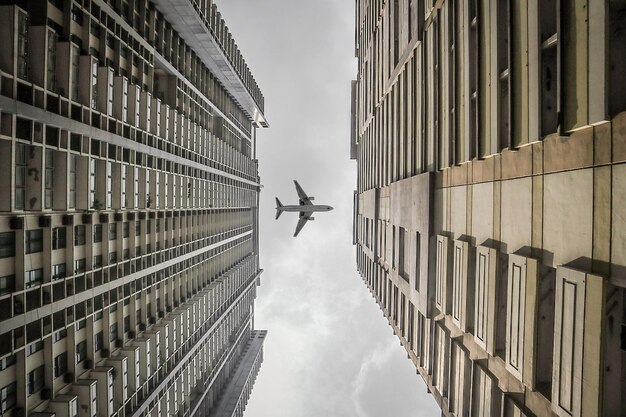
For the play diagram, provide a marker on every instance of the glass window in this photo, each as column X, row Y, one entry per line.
column 77, row 14
column 58, row 271
column 136, row 187
column 35, row 380
column 20, row 175
column 126, row 229
column 124, row 202
column 98, row 341
column 112, row 231
column 48, row 180
column 33, row 242
column 7, row 244
column 79, row 235
column 33, row 278
column 7, row 284
column 109, row 184
column 58, row 238
column 60, row 364
column 34, row 348
column 22, row 46
column 60, row 335
column 94, row 29
column 74, row 72
column 137, row 228
column 79, row 266
column 8, row 397
column 403, row 251
column 113, row 332
column 72, row 195
column 97, row 233
column 94, row 83
column 81, row 351
column 112, row 257
column 52, row 55
column 92, row 185
column 97, row 261
column 7, row 361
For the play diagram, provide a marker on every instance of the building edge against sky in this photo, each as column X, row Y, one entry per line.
column 129, row 247
column 490, row 139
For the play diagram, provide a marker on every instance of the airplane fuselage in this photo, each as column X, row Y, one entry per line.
column 310, row 208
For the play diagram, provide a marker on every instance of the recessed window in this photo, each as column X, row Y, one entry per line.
column 79, row 266
column 402, row 251
column 8, row 397
column 33, row 241
column 97, row 233
column 113, row 332
column 20, row 175
column 33, row 278
column 60, row 364
column 58, row 238
column 417, row 260
column 49, row 183
column 81, row 351
column 60, row 335
column 22, row 46
column 7, row 244
column 98, row 341
column 58, row 271
column 75, row 57
column 34, row 348
column 7, row 361
column 80, row 236
column 97, row 261
column 126, row 229
column 7, row 284
column 72, row 184
column 35, row 380
column 112, row 231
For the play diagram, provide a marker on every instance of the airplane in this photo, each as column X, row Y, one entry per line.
column 306, row 208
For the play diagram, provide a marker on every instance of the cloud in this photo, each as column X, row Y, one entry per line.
column 329, row 350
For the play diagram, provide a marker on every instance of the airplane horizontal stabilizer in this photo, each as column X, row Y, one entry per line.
column 278, row 206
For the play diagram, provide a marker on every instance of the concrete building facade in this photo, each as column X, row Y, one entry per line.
column 490, row 138
column 129, row 251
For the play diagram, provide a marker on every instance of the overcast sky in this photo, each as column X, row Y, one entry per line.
column 329, row 350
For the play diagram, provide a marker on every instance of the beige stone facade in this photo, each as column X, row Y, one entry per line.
column 129, row 251
column 490, row 138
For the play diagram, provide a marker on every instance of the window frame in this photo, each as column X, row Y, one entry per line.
column 7, row 245
column 33, row 241
column 80, row 235
column 60, row 364
column 59, row 238
column 35, row 380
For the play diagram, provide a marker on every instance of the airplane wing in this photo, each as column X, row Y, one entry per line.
column 304, row 199
column 301, row 222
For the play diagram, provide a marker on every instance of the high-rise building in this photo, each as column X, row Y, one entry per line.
column 129, row 211
column 490, row 215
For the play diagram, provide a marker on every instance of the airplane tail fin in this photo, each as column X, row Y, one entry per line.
column 278, row 206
